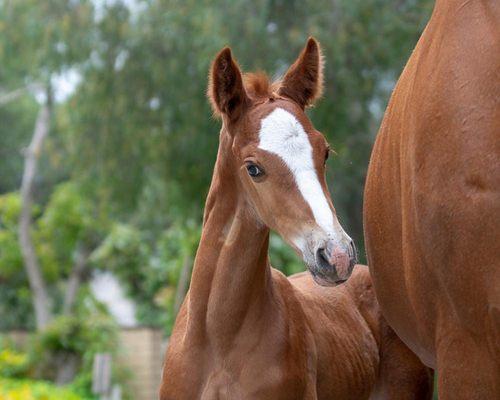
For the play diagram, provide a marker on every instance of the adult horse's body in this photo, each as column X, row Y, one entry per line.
column 245, row 331
column 432, row 201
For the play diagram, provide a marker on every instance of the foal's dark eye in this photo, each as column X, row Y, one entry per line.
column 254, row 171
column 327, row 154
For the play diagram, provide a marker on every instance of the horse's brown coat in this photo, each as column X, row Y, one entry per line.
column 432, row 201
column 245, row 331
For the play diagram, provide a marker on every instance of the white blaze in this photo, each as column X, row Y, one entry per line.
column 282, row 134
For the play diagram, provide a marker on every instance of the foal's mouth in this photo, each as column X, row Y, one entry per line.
column 323, row 278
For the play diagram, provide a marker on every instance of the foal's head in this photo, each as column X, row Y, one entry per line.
column 279, row 159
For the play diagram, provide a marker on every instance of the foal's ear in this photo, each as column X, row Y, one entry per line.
column 303, row 81
column 225, row 87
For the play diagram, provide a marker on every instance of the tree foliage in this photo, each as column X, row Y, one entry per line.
column 129, row 158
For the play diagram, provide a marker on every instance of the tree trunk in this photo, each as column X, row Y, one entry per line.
column 41, row 300
column 182, row 286
column 75, row 279
column 67, row 367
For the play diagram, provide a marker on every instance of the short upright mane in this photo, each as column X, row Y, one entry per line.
column 258, row 85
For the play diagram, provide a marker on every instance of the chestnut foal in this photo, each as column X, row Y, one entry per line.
column 245, row 331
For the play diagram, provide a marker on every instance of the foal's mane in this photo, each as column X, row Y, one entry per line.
column 258, row 85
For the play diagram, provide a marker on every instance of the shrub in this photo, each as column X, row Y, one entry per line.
column 25, row 389
column 63, row 352
column 13, row 363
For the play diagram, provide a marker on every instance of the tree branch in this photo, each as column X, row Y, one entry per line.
column 6, row 98
column 41, row 300
column 75, row 279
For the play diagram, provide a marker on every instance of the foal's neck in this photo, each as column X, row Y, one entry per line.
column 231, row 282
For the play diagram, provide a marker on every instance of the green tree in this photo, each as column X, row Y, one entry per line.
column 136, row 140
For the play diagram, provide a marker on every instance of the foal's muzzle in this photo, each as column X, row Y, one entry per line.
column 334, row 262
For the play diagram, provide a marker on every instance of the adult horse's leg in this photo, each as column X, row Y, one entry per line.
column 402, row 376
column 468, row 370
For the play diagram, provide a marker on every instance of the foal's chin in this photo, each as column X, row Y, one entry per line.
column 326, row 277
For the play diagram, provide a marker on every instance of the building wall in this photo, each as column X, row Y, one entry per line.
column 142, row 354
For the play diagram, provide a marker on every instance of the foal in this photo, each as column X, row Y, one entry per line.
column 245, row 331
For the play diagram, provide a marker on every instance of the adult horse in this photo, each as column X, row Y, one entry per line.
column 432, row 201
column 245, row 331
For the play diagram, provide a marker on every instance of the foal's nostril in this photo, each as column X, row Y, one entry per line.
column 321, row 256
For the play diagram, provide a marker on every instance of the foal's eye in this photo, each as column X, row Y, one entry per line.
column 254, row 171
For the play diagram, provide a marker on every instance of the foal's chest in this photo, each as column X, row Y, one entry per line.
column 269, row 382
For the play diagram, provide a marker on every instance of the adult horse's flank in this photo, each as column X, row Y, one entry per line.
column 432, row 201
column 245, row 331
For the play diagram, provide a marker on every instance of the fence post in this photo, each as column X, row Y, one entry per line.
column 101, row 375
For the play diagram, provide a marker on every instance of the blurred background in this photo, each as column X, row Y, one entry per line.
column 107, row 145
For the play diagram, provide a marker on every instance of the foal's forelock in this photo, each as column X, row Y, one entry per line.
column 283, row 135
